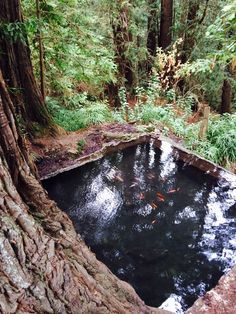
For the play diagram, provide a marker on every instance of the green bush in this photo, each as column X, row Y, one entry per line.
column 81, row 116
column 222, row 135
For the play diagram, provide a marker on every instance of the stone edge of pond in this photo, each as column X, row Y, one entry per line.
column 180, row 152
column 194, row 159
column 107, row 148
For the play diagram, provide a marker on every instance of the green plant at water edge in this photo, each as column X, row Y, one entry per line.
column 222, row 134
column 219, row 145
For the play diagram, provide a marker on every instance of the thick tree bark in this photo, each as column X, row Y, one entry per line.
column 152, row 36
column 122, row 39
column 18, row 71
column 165, row 37
column 226, row 97
column 45, row 267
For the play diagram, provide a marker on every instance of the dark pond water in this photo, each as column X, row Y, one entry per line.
column 165, row 227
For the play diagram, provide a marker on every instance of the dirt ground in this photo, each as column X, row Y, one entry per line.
column 52, row 153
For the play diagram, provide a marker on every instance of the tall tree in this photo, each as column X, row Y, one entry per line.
column 152, row 35
column 17, row 68
column 45, row 265
column 165, row 37
column 122, row 39
column 192, row 27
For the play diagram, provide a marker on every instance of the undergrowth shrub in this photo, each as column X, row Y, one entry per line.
column 80, row 116
column 222, row 135
column 219, row 145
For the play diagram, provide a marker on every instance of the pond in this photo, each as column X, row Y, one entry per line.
column 166, row 227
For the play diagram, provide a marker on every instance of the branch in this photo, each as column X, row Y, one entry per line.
column 204, row 13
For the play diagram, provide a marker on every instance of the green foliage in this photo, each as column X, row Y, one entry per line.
column 219, row 145
column 79, row 117
column 212, row 56
column 80, row 59
column 222, row 135
column 15, row 31
column 222, row 33
column 75, row 48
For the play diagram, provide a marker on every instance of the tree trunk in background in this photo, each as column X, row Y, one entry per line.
column 226, row 97
column 165, row 37
column 17, row 71
column 41, row 54
column 189, row 34
column 122, row 39
column 152, row 36
column 45, row 267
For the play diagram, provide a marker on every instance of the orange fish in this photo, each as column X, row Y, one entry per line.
column 154, row 221
column 159, row 195
column 141, row 196
column 118, row 178
column 150, row 176
column 172, row 191
column 154, row 206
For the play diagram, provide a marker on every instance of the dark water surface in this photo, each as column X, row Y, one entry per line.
column 167, row 228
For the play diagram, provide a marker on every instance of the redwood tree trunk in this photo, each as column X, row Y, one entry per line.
column 152, row 37
column 226, row 97
column 18, row 71
column 45, row 267
column 165, row 37
column 122, row 39
column 189, row 36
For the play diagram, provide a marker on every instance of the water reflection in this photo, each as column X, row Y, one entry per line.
column 165, row 227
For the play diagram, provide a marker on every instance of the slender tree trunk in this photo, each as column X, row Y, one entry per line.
column 122, row 39
column 17, row 70
column 189, row 36
column 45, row 265
column 165, row 37
column 41, row 54
column 152, row 37
column 226, row 97
column 193, row 22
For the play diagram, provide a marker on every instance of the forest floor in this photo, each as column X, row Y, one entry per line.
column 52, row 153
